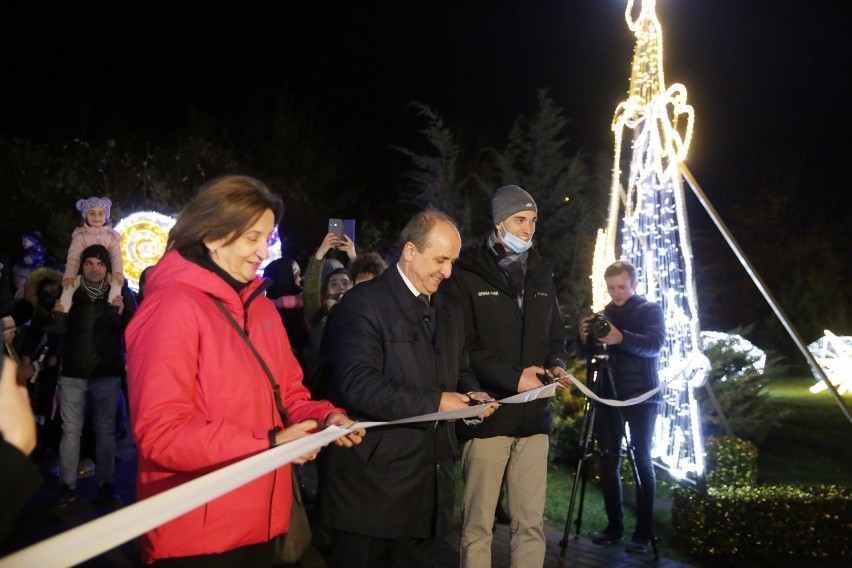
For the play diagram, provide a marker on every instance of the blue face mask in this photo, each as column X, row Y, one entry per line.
column 516, row 244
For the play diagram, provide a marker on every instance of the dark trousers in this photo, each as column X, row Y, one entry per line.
column 352, row 550
column 262, row 554
column 609, row 430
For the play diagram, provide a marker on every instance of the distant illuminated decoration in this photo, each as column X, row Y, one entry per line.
column 274, row 250
column 753, row 356
column 834, row 355
column 143, row 243
column 655, row 235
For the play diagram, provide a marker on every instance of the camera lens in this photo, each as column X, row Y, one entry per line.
column 599, row 326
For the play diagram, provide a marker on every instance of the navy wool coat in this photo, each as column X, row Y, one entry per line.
column 384, row 361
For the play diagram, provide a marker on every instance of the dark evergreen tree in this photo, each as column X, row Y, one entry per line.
column 434, row 182
column 571, row 201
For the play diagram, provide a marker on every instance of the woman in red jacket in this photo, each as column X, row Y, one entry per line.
column 199, row 397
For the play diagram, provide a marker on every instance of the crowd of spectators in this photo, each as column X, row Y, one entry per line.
column 203, row 374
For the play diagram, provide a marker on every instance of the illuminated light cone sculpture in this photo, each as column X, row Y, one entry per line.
column 647, row 210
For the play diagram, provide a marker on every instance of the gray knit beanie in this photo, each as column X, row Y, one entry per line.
column 508, row 200
column 329, row 265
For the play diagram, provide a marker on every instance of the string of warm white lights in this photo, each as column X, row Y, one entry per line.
column 603, row 257
column 655, row 235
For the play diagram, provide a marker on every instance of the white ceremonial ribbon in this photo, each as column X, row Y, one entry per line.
column 87, row 541
column 697, row 362
column 613, row 402
column 466, row 412
column 93, row 538
column 545, row 391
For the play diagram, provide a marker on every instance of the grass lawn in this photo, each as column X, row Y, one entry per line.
column 814, row 442
column 560, row 480
column 813, row 445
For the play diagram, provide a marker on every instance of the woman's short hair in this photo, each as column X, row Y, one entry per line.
column 224, row 207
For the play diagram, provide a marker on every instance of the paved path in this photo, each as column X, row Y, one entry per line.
column 579, row 553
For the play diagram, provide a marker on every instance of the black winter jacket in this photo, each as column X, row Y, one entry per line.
column 93, row 345
column 634, row 363
column 383, row 365
column 501, row 340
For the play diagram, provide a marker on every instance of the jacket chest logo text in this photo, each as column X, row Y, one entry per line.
column 488, row 293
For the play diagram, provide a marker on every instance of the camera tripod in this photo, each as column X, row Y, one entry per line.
column 597, row 362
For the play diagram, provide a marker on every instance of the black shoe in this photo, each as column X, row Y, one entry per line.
column 57, row 323
column 604, row 537
column 65, row 497
column 636, row 546
column 501, row 516
column 107, row 496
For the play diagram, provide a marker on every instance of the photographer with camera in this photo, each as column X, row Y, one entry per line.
column 633, row 331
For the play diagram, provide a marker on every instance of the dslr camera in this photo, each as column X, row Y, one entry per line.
column 599, row 325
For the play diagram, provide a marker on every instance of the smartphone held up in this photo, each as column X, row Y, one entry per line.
column 342, row 227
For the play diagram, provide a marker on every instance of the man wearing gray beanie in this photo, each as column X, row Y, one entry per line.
column 511, row 199
column 516, row 342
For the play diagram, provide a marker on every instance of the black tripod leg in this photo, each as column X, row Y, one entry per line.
column 579, row 483
column 580, row 476
column 588, row 452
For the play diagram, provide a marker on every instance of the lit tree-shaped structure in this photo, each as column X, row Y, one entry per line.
column 647, row 205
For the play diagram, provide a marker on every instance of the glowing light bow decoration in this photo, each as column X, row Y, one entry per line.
column 655, row 235
column 143, row 243
column 834, row 355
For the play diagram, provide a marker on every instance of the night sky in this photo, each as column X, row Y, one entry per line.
column 764, row 77
column 769, row 80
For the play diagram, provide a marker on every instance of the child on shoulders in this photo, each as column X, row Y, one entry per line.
column 96, row 230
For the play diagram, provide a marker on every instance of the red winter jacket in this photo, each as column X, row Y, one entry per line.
column 200, row 400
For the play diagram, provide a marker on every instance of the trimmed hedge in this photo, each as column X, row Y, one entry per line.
column 737, row 521
column 731, row 461
column 772, row 525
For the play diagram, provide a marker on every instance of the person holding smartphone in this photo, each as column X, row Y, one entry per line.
column 319, row 271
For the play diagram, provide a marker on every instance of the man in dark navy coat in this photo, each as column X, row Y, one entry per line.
column 393, row 348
